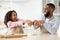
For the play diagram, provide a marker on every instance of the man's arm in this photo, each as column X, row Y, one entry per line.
column 51, row 28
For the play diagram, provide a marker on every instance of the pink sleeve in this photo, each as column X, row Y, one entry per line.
column 11, row 24
column 21, row 21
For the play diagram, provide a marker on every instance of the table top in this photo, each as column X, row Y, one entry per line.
column 35, row 37
column 41, row 36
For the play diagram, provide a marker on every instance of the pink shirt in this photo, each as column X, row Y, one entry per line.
column 11, row 24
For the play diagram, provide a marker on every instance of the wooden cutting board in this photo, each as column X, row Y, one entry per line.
column 14, row 36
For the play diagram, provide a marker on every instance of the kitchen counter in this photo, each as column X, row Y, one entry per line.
column 35, row 37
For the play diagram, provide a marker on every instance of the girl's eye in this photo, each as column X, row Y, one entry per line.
column 14, row 15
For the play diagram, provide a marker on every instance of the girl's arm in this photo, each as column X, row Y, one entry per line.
column 29, row 22
column 11, row 24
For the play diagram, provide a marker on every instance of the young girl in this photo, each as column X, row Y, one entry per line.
column 13, row 23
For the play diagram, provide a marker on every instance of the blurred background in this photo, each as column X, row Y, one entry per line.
column 28, row 9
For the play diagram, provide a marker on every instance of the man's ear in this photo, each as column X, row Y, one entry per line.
column 51, row 9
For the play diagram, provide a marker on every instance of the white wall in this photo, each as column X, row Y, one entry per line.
column 30, row 9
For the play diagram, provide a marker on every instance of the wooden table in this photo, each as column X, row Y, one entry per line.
column 32, row 37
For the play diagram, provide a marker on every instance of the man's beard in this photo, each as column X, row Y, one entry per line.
column 47, row 14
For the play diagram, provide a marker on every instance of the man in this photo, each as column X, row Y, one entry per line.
column 48, row 23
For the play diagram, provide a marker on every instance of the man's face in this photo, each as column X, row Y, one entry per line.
column 47, row 11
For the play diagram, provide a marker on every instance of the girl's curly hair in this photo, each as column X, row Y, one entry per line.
column 8, row 16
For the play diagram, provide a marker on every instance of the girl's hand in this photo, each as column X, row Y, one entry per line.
column 29, row 22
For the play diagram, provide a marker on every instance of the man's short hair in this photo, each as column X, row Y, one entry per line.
column 51, row 5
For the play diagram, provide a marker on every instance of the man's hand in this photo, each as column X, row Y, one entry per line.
column 35, row 23
column 41, row 22
column 38, row 22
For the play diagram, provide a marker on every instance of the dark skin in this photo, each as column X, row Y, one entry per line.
column 50, row 10
column 46, row 10
column 13, row 16
column 18, row 27
column 36, row 22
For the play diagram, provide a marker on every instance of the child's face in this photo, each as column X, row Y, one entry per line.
column 14, row 16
